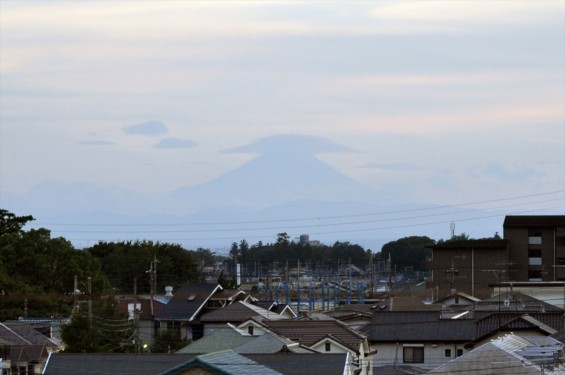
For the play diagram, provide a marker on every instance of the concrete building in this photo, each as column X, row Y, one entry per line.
column 537, row 247
column 468, row 266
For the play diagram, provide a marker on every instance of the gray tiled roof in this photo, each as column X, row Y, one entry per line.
column 187, row 302
column 267, row 343
column 422, row 331
column 24, row 334
column 303, row 364
column 221, row 339
column 236, row 364
column 104, row 364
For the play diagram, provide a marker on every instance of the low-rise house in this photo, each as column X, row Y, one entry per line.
column 225, row 362
column 510, row 354
column 424, row 339
column 235, row 313
column 182, row 314
column 144, row 311
column 23, row 349
column 325, row 336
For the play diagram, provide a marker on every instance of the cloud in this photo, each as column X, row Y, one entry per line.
column 170, row 143
column 393, row 166
column 96, row 143
column 291, row 143
column 508, row 172
column 149, row 128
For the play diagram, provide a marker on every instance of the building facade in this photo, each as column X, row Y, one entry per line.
column 537, row 247
column 468, row 266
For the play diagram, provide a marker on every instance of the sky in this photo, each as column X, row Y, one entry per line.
column 438, row 102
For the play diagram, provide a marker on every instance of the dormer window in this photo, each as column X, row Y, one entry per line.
column 328, row 347
column 250, row 329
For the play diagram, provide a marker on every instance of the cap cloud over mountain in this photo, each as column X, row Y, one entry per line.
column 285, row 170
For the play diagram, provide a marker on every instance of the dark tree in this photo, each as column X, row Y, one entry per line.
column 408, row 252
column 10, row 223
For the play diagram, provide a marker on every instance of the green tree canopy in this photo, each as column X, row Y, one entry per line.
column 408, row 252
column 122, row 262
column 10, row 223
column 32, row 261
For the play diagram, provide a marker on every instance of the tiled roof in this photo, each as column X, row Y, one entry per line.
column 221, row 339
column 510, row 354
column 187, row 302
column 236, row 364
column 422, row 331
column 308, row 332
column 115, row 363
column 534, row 221
column 303, row 364
column 238, row 312
column 266, row 343
column 516, row 302
column 24, row 334
column 510, row 322
column 144, row 305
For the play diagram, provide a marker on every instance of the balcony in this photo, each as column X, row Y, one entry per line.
column 534, row 240
column 534, row 261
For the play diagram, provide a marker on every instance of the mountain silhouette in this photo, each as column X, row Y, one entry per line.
column 286, row 169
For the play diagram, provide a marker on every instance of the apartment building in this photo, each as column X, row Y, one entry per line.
column 537, row 247
column 468, row 266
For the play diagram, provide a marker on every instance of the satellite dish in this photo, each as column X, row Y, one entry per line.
column 507, row 302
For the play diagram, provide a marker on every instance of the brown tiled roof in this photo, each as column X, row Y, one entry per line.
column 308, row 332
column 535, row 221
column 237, row 312
column 144, row 305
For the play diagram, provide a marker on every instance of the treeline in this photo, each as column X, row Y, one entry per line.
column 285, row 253
column 33, row 264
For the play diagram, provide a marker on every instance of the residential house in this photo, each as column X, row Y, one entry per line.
column 144, row 310
column 224, row 362
column 235, row 313
column 240, row 341
column 182, row 314
column 23, row 349
column 325, row 336
column 510, row 354
column 424, row 339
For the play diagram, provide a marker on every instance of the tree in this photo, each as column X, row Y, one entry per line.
column 105, row 331
column 124, row 261
column 33, row 262
column 283, row 241
column 408, row 252
column 10, row 223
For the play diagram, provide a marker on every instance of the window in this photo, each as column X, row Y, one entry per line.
column 413, row 354
column 250, row 329
column 328, row 347
column 459, row 352
column 535, row 275
column 448, row 352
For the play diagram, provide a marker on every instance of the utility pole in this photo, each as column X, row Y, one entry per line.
column 90, row 300
column 135, row 317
